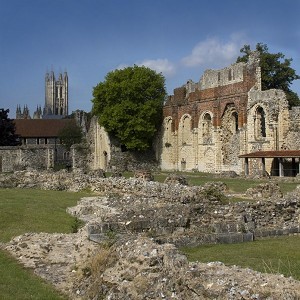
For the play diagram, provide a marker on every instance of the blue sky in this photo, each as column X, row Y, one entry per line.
column 89, row 38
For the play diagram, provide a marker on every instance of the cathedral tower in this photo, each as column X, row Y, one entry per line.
column 56, row 95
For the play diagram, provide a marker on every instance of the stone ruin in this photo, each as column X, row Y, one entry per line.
column 176, row 179
column 143, row 175
column 206, row 126
column 127, row 249
column 170, row 211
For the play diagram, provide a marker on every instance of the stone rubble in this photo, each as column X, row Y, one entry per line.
column 138, row 224
column 136, row 267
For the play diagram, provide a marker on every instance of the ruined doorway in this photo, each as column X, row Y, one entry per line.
column 230, row 136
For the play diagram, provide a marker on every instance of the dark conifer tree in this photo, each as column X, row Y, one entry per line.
column 8, row 136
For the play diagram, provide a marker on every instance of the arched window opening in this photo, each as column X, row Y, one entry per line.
column 235, row 122
column 207, row 129
column 66, row 155
column 168, row 131
column 260, row 123
column 186, row 129
column 230, row 75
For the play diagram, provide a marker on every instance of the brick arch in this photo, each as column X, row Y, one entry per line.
column 186, row 119
column 230, row 105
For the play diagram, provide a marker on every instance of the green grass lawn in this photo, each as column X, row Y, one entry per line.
column 29, row 210
column 279, row 255
column 18, row 283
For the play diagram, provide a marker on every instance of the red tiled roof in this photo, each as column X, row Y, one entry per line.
column 272, row 154
column 34, row 128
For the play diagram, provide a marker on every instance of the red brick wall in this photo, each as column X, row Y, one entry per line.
column 214, row 100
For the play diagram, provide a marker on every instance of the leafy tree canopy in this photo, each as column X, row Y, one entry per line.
column 129, row 105
column 276, row 71
column 70, row 135
column 8, row 137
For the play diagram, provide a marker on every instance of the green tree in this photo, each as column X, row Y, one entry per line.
column 8, row 137
column 71, row 134
column 276, row 71
column 129, row 105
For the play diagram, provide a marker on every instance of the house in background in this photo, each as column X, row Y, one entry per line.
column 44, row 132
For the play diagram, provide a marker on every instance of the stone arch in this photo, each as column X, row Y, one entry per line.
column 206, row 128
column 230, row 118
column 168, row 125
column 185, row 128
column 230, row 135
column 234, row 122
column 66, row 155
column 260, row 123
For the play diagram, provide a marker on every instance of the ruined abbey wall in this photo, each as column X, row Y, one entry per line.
column 30, row 156
column 99, row 146
column 208, row 124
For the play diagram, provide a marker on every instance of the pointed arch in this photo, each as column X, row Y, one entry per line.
column 230, row 135
column 168, row 126
column 206, row 128
column 185, row 127
column 260, row 123
column 230, row 118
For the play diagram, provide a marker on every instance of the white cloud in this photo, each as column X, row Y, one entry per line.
column 122, row 66
column 213, row 53
column 163, row 66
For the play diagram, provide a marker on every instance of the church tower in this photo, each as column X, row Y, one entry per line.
column 56, row 95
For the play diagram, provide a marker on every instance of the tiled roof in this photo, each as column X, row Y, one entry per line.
column 272, row 154
column 34, row 128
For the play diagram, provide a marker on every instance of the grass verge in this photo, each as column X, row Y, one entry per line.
column 29, row 210
column 18, row 283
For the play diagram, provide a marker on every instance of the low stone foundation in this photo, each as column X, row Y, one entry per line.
column 171, row 212
column 135, row 224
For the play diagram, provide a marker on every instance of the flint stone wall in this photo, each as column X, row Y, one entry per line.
column 29, row 156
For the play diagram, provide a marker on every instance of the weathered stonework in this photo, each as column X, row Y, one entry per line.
column 30, row 156
column 100, row 146
column 208, row 124
column 106, row 153
column 142, row 220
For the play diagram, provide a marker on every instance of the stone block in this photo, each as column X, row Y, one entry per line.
column 248, row 237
